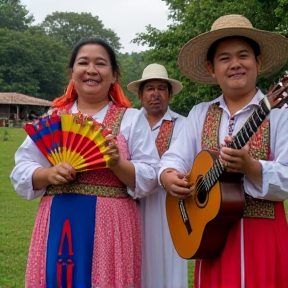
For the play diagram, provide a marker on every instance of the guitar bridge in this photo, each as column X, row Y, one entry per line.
column 184, row 216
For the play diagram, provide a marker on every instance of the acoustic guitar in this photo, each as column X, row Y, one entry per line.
column 199, row 225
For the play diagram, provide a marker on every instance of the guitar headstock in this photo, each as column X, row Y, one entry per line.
column 278, row 93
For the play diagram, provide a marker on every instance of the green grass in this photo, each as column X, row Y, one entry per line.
column 17, row 217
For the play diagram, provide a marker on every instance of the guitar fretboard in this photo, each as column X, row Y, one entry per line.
column 238, row 141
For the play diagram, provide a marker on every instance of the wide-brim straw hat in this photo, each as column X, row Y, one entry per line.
column 155, row 72
column 192, row 57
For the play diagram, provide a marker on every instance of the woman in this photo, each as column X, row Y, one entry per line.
column 232, row 55
column 89, row 236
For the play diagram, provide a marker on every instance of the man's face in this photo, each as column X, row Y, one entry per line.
column 235, row 67
column 155, row 97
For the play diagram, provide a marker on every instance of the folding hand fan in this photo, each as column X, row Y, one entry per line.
column 74, row 139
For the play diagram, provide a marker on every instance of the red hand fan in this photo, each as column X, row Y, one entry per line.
column 74, row 139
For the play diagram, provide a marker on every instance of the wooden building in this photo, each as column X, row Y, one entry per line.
column 15, row 106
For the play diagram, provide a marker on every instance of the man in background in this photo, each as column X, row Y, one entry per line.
column 162, row 267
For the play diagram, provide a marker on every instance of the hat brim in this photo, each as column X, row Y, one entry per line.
column 192, row 57
column 176, row 85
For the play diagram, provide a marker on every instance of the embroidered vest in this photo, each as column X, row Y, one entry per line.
column 259, row 148
column 164, row 136
column 100, row 182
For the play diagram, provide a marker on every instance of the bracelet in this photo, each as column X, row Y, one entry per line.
column 167, row 170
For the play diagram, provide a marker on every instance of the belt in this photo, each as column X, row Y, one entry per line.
column 258, row 208
column 87, row 189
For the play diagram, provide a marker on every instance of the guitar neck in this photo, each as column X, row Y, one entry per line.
column 238, row 141
column 251, row 125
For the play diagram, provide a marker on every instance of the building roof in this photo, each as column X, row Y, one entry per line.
column 21, row 99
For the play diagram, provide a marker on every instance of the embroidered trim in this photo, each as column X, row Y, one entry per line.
column 258, row 208
column 110, row 123
column 87, row 189
column 66, row 231
column 210, row 132
column 259, row 145
column 164, row 136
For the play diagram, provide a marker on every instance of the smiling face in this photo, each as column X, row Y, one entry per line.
column 92, row 73
column 235, row 67
column 155, row 97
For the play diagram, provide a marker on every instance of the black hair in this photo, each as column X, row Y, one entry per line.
column 141, row 86
column 100, row 41
column 212, row 49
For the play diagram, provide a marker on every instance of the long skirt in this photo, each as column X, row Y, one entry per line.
column 255, row 255
column 84, row 241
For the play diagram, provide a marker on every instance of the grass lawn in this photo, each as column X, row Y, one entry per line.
column 17, row 217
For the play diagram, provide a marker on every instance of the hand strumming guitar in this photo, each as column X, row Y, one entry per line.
column 176, row 183
column 240, row 161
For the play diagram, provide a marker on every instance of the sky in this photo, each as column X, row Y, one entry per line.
column 124, row 17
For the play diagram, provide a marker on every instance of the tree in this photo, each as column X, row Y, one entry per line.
column 70, row 27
column 14, row 16
column 193, row 17
column 32, row 63
column 132, row 66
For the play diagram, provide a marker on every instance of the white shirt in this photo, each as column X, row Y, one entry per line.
column 135, row 129
column 274, row 173
column 169, row 115
column 161, row 264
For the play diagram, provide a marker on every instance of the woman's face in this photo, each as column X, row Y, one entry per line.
column 92, row 72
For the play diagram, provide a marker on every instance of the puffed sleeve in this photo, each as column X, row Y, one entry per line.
column 182, row 152
column 143, row 152
column 27, row 159
column 274, row 172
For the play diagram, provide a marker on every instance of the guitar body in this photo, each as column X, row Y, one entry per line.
column 200, row 224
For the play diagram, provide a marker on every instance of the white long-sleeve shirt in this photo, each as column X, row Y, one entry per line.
column 135, row 129
column 169, row 115
column 179, row 124
column 183, row 151
column 161, row 264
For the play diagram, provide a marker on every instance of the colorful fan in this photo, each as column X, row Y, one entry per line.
column 74, row 139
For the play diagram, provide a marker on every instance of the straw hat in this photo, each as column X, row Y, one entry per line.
column 192, row 57
column 155, row 72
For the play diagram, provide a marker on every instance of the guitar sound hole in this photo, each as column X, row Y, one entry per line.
column 201, row 192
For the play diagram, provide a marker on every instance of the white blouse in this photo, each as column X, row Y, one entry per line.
column 274, row 173
column 135, row 129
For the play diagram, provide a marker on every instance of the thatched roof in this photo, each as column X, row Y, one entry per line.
column 21, row 99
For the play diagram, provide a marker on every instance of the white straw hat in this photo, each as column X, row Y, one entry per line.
column 154, row 72
column 192, row 57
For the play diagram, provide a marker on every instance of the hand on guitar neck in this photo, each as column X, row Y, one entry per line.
column 175, row 183
column 240, row 161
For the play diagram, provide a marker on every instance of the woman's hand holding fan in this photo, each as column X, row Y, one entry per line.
column 112, row 150
column 74, row 139
column 61, row 173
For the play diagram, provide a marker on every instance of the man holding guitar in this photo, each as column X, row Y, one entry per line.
column 227, row 211
column 162, row 267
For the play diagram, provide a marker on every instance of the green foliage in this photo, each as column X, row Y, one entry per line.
column 191, row 18
column 14, row 16
column 32, row 63
column 6, row 135
column 69, row 27
column 132, row 66
column 281, row 14
column 33, row 59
